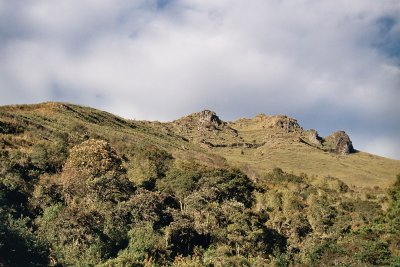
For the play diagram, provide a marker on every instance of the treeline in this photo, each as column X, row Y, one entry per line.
column 84, row 203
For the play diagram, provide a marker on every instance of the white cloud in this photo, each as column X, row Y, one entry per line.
column 145, row 60
column 387, row 146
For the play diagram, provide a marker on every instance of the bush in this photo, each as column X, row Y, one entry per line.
column 93, row 172
column 18, row 244
column 147, row 164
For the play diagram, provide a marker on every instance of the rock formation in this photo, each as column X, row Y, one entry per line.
column 279, row 121
column 340, row 142
column 208, row 119
column 313, row 137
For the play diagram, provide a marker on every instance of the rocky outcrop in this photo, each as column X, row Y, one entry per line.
column 287, row 124
column 279, row 121
column 313, row 137
column 207, row 128
column 340, row 142
column 208, row 118
column 205, row 125
column 203, row 119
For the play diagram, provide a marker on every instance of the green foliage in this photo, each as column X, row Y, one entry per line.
column 94, row 172
column 49, row 158
column 246, row 232
column 230, row 185
column 46, row 192
column 321, row 214
column 281, row 260
column 325, row 252
column 74, row 236
column 279, row 176
column 93, row 225
column 394, row 209
column 19, row 246
column 373, row 252
column 181, row 236
column 145, row 247
column 10, row 127
column 223, row 256
column 179, row 182
column 16, row 180
column 150, row 207
column 147, row 164
column 80, row 187
column 188, row 262
column 96, row 157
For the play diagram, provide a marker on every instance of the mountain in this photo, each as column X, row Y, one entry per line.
column 80, row 186
column 256, row 145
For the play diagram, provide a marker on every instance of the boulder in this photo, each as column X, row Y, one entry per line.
column 208, row 118
column 313, row 137
column 340, row 142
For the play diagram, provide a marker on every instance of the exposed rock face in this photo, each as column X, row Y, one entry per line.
column 208, row 118
column 203, row 119
column 340, row 142
column 313, row 137
column 288, row 124
column 279, row 121
column 206, row 128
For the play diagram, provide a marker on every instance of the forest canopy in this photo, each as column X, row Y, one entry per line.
column 92, row 212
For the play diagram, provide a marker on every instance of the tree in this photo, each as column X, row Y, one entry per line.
column 180, row 183
column 150, row 207
column 230, row 184
column 246, row 232
column 145, row 248
column 147, row 164
column 94, row 173
column 321, row 214
column 180, row 235
column 91, row 224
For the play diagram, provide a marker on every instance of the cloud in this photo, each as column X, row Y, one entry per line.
column 332, row 64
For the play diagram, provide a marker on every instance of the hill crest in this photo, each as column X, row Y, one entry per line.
column 255, row 145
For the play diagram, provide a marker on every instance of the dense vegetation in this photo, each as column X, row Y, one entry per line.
column 87, row 197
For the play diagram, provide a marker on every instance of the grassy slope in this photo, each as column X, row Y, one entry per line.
column 274, row 147
column 361, row 169
column 265, row 146
column 284, row 150
column 44, row 122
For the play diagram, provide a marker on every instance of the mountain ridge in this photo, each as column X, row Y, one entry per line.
column 256, row 144
column 338, row 141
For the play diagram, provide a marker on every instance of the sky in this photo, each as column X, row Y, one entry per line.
column 331, row 64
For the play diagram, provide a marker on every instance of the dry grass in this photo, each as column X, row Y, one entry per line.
column 274, row 146
column 284, row 150
column 359, row 169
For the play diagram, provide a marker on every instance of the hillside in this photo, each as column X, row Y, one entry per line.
column 24, row 126
column 256, row 145
column 79, row 186
column 262, row 143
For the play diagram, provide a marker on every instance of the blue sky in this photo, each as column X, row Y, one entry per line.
column 330, row 64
